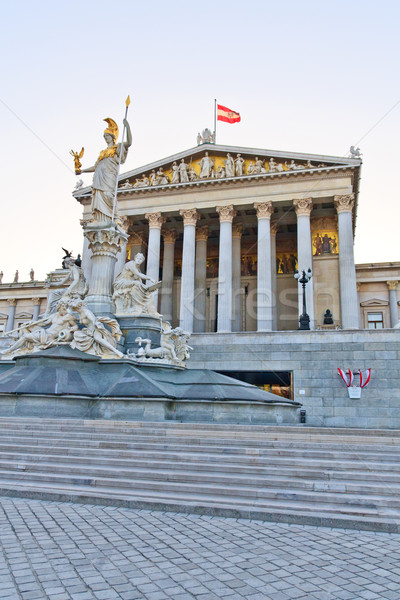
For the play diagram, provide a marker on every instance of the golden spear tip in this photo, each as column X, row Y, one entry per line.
column 127, row 101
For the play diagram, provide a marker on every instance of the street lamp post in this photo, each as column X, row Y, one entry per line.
column 304, row 320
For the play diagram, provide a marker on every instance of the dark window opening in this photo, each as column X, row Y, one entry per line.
column 276, row 382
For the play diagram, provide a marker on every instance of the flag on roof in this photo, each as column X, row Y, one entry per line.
column 227, row 115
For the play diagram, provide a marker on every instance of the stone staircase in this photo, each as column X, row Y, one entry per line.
column 331, row 477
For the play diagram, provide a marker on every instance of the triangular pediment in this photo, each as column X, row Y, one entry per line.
column 374, row 302
column 213, row 163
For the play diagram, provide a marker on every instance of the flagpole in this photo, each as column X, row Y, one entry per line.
column 127, row 103
column 215, row 120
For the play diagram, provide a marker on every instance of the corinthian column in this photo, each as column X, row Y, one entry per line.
column 237, row 231
column 200, row 280
column 274, row 231
column 303, row 210
column 347, row 271
column 155, row 220
column 226, row 215
column 12, row 302
column 169, row 236
column 104, row 243
column 264, row 278
column 190, row 217
column 393, row 305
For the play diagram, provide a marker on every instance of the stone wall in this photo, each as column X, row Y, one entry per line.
column 314, row 358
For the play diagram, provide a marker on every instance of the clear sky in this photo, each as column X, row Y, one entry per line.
column 306, row 76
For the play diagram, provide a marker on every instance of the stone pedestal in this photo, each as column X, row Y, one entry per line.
column 142, row 326
column 105, row 241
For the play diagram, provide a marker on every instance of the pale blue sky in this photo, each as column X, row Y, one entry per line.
column 306, row 76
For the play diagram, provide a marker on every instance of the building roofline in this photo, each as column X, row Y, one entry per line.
column 344, row 161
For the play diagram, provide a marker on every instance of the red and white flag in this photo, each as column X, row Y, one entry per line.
column 227, row 115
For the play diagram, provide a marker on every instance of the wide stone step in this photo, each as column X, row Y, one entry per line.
column 338, row 482
column 328, row 491
column 91, row 424
column 178, row 462
column 337, row 453
column 194, row 436
column 324, row 514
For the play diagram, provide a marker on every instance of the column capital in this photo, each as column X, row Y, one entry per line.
column 274, row 228
column 169, row 236
column 36, row 301
column 303, row 206
column 190, row 216
column 85, row 222
column 226, row 213
column 237, row 230
column 392, row 285
column 344, row 203
column 12, row 301
column 202, row 233
column 155, row 220
column 264, row 209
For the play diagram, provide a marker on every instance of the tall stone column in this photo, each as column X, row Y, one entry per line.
column 274, row 231
column 86, row 254
column 237, row 231
column 104, row 242
column 169, row 236
column 155, row 220
column 264, row 277
column 303, row 210
column 36, row 308
column 121, row 258
column 393, row 304
column 200, row 280
column 186, row 317
column 226, row 216
column 12, row 302
column 347, row 270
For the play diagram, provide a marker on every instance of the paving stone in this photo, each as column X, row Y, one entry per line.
column 148, row 555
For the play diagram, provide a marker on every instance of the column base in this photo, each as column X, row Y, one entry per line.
column 101, row 305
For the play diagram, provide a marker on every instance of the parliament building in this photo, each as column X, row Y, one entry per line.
column 226, row 229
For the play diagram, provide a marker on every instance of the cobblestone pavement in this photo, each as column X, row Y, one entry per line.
column 70, row 551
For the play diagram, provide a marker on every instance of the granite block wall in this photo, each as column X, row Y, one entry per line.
column 314, row 358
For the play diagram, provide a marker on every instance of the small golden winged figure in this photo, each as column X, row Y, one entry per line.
column 77, row 161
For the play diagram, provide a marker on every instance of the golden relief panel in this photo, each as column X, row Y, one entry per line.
column 286, row 262
column 325, row 243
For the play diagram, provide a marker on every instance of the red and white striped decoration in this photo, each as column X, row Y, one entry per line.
column 347, row 380
column 364, row 380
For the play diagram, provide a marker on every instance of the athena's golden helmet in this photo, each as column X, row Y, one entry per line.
column 112, row 128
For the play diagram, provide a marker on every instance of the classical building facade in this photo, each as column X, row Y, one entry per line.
column 225, row 228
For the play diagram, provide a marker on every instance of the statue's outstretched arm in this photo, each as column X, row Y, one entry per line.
column 88, row 170
column 128, row 142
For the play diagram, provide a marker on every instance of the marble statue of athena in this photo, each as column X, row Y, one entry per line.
column 106, row 172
